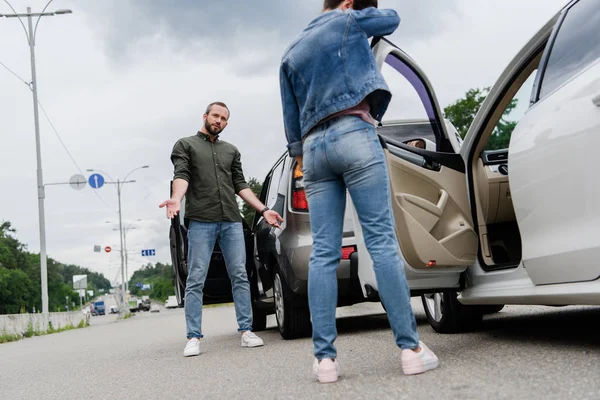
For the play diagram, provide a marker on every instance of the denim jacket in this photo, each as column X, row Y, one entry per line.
column 330, row 67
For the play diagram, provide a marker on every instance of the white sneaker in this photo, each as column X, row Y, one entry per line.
column 249, row 339
column 192, row 348
column 326, row 371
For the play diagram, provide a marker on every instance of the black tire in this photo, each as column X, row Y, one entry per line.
column 292, row 313
column 454, row 317
column 493, row 309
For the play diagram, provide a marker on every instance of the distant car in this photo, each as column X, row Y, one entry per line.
column 171, row 302
column 114, row 310
column 154, row 308
column 145, row 305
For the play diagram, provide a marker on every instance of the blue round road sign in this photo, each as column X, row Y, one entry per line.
column 96, row 181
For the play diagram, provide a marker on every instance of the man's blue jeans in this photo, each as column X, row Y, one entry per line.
column 341, row 153
column 202, row 237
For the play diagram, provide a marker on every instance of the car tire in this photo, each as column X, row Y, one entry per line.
column 446, row 314
column 493, row 309
column 293, row 316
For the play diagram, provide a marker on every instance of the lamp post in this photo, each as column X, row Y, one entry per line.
column 128, row 227
column 119, row 184
column 30, row 33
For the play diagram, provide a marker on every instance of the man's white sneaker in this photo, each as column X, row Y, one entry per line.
column 249, row 339
column 326, row 371
column 192, row 348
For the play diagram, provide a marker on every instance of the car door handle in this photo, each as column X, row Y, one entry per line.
column 596, row 100
column 435, row 209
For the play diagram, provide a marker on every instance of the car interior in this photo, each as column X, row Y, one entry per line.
column 499, row 238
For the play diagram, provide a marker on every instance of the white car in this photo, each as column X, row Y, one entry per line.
column 154, row 308
column 171, row 302
column 474, row 235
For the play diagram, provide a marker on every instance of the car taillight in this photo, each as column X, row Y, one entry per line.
column 347, row 252
column 299, row 201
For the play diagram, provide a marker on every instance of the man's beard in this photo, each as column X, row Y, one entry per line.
column 210, row 129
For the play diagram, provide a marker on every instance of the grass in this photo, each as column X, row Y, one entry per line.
column 217, row 305
column 8, row 337
column 128, row 315
column 35, row 331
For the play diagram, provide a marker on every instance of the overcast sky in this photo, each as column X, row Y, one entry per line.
column 122, row 80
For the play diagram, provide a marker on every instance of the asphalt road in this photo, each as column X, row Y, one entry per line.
column 521, row 353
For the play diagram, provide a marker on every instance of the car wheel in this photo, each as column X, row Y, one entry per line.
column 446, row 314
column 293, row 320
column 493, row 309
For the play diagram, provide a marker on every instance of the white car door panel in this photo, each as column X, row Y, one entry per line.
column 555, row 183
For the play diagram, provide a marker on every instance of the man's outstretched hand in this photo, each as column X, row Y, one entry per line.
column 173, row 207
column 273, row 218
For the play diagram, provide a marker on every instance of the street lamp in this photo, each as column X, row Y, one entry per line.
column 119, row 184
column 128, row 227
column 30, row 33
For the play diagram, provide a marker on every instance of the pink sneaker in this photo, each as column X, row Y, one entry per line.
column 417, row 363
column 326, row 371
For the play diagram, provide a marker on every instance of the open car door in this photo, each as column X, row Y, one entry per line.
column 428, row 184
column 179, row 246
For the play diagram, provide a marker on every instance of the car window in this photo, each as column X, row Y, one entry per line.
column 411, row 100
column 577, row 45
column 406, row 132
column 275, row 177
column 500, row 138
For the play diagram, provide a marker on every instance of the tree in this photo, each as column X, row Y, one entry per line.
column 462, row 113
column 20, row 277
column 247, row 211
column 159, row 278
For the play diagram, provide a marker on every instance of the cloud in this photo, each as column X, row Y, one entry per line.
column 225, row 29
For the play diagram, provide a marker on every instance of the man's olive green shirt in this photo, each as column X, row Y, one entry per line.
column 214, row 173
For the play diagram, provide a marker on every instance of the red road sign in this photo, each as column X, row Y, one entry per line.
column 107, row 249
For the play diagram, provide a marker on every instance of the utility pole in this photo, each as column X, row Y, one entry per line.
column 30, row 33
column 124, row 287
column 119, row 183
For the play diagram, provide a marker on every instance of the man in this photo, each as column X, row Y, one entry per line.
column 208, row 171
column 332, row 93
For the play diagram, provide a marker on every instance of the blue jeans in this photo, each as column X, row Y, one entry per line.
column 339, row 154
column 202, row 237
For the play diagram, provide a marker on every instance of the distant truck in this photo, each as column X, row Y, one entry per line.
column 134, row 304
column 99, row 308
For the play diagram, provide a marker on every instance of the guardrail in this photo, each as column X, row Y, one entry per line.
column 20, row 324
